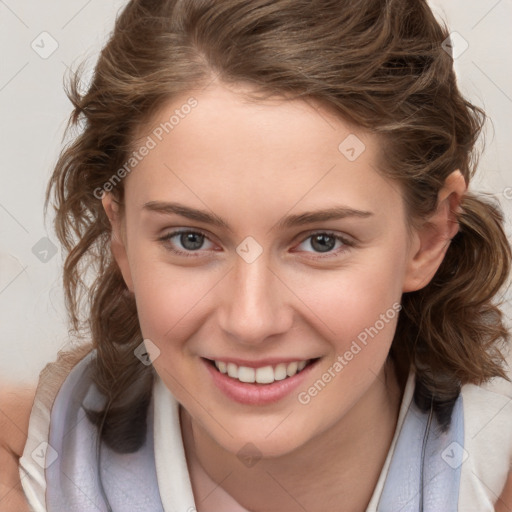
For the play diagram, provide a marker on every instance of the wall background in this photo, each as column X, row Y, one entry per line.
column 34, row 112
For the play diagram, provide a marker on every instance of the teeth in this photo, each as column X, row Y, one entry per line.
column 232, row 370
column 280, row 372
column 246, row 374
column 263, row 375
column 291, row 370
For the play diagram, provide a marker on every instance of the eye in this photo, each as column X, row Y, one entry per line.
column 322, row 242
column 191, row 241
column 325, row 242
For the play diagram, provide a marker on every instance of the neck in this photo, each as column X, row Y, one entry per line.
column 339, row 466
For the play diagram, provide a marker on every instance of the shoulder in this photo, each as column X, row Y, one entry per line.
column 37, row 414
column 15, row 405
column 504, row 503
column 487, row 442
column 488, row 412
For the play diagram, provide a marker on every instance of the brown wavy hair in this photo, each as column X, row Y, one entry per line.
column 381, row 65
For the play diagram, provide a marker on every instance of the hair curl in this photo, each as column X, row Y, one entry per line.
column 379, row 64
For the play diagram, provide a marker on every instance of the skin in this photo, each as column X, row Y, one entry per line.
column 504, row 503
column 332, row 449
column 230, row 157
column 212, row 306
column 15, row 405
column 313, row 456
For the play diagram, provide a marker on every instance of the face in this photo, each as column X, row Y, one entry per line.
column 236, row 270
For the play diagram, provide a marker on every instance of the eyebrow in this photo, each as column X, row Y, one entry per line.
column 289, row 221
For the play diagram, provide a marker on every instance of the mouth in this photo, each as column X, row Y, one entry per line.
column 258, row 385
column 267, row 374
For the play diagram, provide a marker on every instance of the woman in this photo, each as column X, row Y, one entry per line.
column 330, row 349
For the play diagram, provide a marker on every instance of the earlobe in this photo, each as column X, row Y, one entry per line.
column 433, row 238
column 117, row 241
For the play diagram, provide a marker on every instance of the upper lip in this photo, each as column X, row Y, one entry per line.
column 274, row 361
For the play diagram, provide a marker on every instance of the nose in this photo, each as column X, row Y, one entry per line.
column 255, row 303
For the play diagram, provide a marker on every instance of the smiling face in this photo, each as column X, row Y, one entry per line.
column 258, row 281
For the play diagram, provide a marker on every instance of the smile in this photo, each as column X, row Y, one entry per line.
column 263, row 375
column 258, row 385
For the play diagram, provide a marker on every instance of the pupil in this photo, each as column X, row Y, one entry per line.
column 187, row 240
column 322, row 246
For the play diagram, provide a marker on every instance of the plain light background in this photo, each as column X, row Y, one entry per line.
column 40, row 40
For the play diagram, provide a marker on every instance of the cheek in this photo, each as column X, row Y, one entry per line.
column 359, row 316
column 168, row 307
column 352, row 300
column 359, row 328
column 167, row 297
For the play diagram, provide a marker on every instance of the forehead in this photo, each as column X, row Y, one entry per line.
column 219, row 142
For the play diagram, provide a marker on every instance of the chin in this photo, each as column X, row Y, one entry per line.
column 261, row 448
column 258, row 442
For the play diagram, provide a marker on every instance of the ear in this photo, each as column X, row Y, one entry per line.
column 432, row 239
column 118, row 241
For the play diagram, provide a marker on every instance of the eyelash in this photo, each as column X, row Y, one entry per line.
column 190, row 254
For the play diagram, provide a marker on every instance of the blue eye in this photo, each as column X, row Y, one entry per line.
column 191, row 241
column 323, row 242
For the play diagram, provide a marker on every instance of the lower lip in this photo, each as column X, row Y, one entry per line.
column 257, row 394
